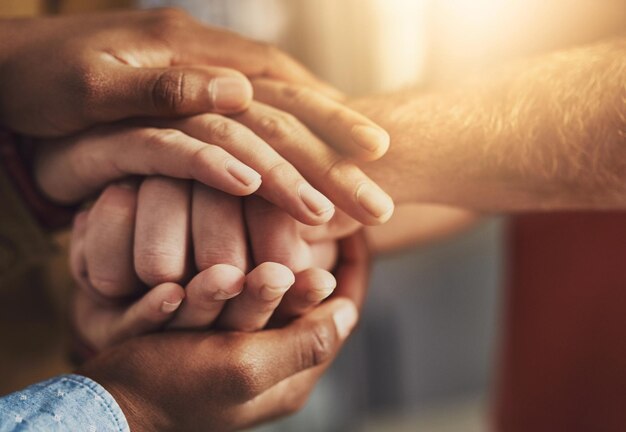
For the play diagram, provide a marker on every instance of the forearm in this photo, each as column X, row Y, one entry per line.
column 549, row 134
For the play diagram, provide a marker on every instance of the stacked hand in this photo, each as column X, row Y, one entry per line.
column 243, row 378
column 154, row 112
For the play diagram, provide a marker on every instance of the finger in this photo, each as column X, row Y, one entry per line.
column 345, row 130
column 341, row 225
column 162, row 246
column 285, row 398
column 334, row 176
column 150, row 313
column 219, row 231
column 220, row 253
column 264, row 289
column 273, row 235
column 103, row 324
column 353, row 269
column 206, row 295
column 251, row 57
column 307, row 342
column 324, row 254
column 78, row 266
column 282, row 184
column 128, row 91
column 71, row 169
column 311, row 287
column 108, row 246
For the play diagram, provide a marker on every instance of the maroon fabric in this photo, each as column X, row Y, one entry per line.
column 564, row 350
column 47, row 214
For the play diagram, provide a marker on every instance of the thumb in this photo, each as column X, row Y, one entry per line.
column 173, row 91
column 309, row 341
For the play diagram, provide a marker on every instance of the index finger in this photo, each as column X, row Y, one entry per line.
column 342, row 128
column 353, row 270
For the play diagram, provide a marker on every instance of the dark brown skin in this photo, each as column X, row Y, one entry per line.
column 60, row 75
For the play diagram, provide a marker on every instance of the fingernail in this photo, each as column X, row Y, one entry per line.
column 168, row 307
column 270, row 293
column 370, row 138
column 221, row 295
column 243, row 173
column 319, row 294
column 230, row 92
column 374, row 201
column 127, row 184
column 314, row 200
column 345, row 319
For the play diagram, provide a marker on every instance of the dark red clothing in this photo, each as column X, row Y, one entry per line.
column 564, row 341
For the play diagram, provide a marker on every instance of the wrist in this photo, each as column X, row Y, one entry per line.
column 132, row 405
column 397, row 172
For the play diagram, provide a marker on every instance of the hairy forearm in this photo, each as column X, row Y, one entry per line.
column 546, row 134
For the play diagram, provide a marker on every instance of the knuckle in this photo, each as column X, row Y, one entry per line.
column 226, row 254
column 317, row 345
column 279, row 126
column 167, row 19
column 158, row 139
column 104, row 286
column 278, row 174
column 159, row 266
column 340, row 168
column 167, row 91
column 337, row 116
column 294, row 94
column 118, row 205
column 267, row 50
column 221, row 129
column 282, row 254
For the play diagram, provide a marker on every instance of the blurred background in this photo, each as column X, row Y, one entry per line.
column 426, row 354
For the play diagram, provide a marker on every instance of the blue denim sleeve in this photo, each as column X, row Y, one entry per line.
column 63, row 403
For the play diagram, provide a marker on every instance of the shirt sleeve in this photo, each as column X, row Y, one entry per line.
column 63, row 403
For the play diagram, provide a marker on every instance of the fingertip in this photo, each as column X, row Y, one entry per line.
column 372, row 142
column 375, row 202
column 345, row 317
column 247, row 180
column 170, row 296
column 272, row 274
column 228, row 280
column 230, row 94
column 321, row 284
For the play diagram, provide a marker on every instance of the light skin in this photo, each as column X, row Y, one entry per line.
column 278, row 156
column 539, row 135
column 544, row 134
column 142, row 232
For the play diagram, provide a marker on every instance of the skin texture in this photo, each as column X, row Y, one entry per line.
column 111, row 66
column 240, row 263
column 283, row 155
column 231, row 380
column 545, row 134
